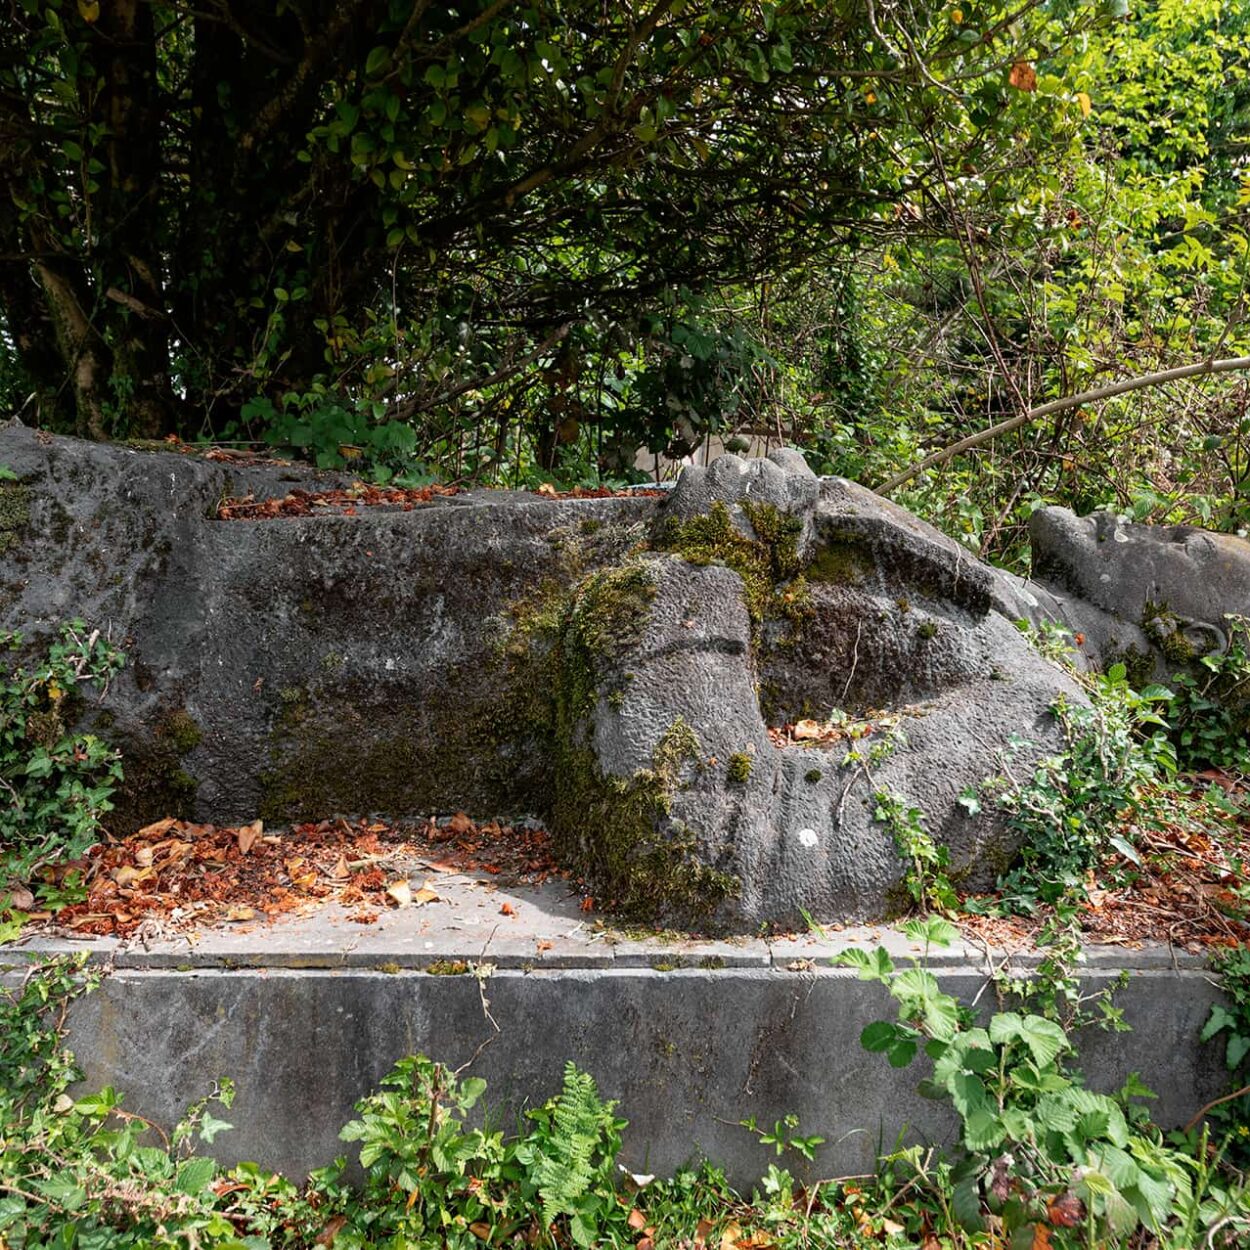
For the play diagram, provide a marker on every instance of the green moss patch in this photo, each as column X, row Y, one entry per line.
column 155, row 781
column 14, row 513
column 618, row 832
column 769, row 564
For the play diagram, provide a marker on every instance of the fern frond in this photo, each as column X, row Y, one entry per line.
column 565, row 1169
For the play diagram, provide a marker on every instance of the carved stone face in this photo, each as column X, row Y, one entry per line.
column 818, row 601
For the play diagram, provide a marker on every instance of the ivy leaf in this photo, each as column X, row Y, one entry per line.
column 210, row 1126
column 1219, row 1019
column 1238, row 1045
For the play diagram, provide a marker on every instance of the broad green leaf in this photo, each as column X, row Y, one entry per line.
column 966, row 1205
column 194, row 1175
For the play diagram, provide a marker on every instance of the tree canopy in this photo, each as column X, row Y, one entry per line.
column 497, row 239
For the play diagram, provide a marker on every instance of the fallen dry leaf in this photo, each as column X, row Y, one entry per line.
column 157, row 830
column 426, row 894
column 459, row 824
column 333, row 1227
column 636, row 1220
column 507, row 910
column 247, row 834
column 400, row 893
column 701, row 1233
column 1066, row 1210
column 241, row 913
column 20, row 899
column 807, row 730
column 128, row 875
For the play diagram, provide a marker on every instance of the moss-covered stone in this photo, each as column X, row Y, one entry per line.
column 618, row 832
column 1164, row 626
column 14, row 513
column 769, row 564
column 337, row 751
column 155, row 782
column 839, row 564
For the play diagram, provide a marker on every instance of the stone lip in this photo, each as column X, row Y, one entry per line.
column 543, row 926
column 1154, row 597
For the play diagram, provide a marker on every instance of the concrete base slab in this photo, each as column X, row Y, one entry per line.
column 690, row 1036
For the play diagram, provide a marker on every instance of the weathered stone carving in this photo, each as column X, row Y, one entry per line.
column 610, row 666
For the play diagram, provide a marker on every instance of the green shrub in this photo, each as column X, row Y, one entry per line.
column 1038, row 1149
column 57, row 783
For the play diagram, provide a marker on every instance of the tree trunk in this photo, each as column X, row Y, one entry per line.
column 129, row 220
column 83, row 351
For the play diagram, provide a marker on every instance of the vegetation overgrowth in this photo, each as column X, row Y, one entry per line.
column 516, row 243
column 523, row 243
column 1042, row 1160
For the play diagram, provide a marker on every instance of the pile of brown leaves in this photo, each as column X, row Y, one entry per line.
column 174, row 874
column 813, row 733
column 344, row 502
column 595, row 492
column 1190, row 889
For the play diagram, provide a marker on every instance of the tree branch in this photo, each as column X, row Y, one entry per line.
column 1230, row 365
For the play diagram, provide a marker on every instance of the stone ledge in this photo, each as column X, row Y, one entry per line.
column 688, row 1051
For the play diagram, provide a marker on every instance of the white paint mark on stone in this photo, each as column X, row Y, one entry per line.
column 809, row 837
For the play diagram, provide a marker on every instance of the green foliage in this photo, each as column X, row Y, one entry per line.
column 1033, row 1138
column 784, row 1135
column 56, row 782
column 334, row 432
column 570, row 1154
column 79, row 1171
column 1070, row 809
column 1210, row 713
column 82, row 1173
column 925, row 879
column 1229, row 1023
